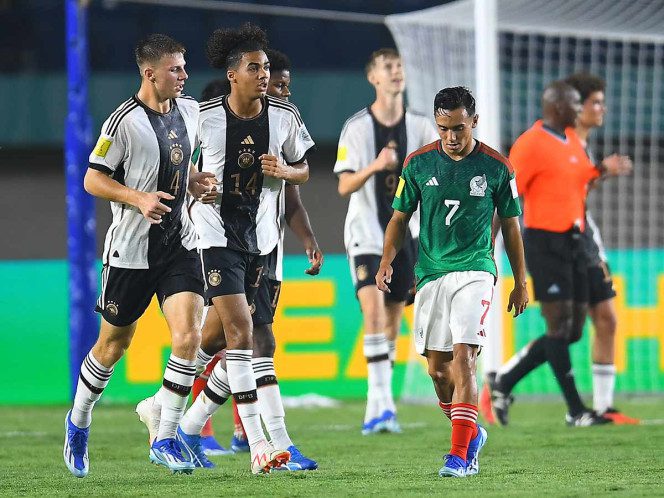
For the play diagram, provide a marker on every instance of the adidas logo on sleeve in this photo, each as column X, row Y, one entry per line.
column 432, row 182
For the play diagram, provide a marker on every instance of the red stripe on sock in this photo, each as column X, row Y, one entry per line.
column 447, row 409
column 463, row 430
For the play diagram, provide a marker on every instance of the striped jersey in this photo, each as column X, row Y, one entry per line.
column 246, row 215
column 148, row 151
column 370, row 208
column 457, row 200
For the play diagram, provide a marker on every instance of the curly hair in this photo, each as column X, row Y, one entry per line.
column 278, row 60
column 586, row 83
column 216, row 88
column 154, row 47
column 226, row 46
column 449, row 99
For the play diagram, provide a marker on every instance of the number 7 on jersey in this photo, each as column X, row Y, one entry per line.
column 455, row 205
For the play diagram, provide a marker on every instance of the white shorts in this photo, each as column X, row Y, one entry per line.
column 452, row 310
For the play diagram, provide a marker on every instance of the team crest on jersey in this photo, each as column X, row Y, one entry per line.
column 246, row 158
column 478, row 186
column 176, row 154
column 112, row 308
column 214, row 278
column 362, row 272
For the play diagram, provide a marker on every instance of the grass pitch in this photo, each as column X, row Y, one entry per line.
column 536, row 456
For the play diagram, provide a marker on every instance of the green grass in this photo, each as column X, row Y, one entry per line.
column 537, row 455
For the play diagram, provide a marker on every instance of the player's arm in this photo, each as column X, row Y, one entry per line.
column 298, row 221
column 295, row 174
column 201, row 185
column 394, row 235
column 100, row 184
column 514, row 247
column 350, row 182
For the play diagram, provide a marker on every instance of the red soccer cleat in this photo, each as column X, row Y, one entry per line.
column 619, row 418
column 485, row 405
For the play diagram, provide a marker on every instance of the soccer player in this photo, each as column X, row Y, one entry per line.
column 601, row 303
column 293, row 212
column 553, row 173
column 252, row 143
column 373, row 145
column 141, row 163
column 458, row 183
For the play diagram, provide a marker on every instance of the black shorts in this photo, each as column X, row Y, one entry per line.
column 227, row 272
column 265, row 303
column 126, row 293
column 558, row 264
column 365, row 266
column 600, row 284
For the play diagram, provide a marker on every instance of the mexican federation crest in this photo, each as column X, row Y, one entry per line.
column 478, row 186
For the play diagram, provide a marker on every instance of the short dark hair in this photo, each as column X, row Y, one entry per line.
column 278, row 60
column 389, row 53
column 452, row 98
column 153, row 47
column 226, row 46
column 216, row 88
column 585, row 84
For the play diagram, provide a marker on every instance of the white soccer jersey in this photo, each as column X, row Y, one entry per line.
column 370, row 208
column 147, row 151
column 246, row 215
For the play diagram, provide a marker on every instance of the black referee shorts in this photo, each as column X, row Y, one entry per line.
column 557, row 264
column 126, row 293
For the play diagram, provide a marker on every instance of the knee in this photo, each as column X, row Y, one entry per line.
column 109, row 352
column 439, row 376
column 239, row 334
column 605, row 324
column 264, row 343
column 188, row 338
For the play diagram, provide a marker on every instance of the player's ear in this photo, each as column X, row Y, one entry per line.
column 230, row 74
column 475, row 119
column 148, row 73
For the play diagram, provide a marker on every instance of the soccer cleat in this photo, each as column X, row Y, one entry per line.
column 500, row 405
column 474, row 447
column 211, row 447
column 585, row 419
column 390, row 423
column 297, row 461
column 619, row 418
column 485, row 398
column 453, row 467
column 150, row 415
column 239, row 445
column 373, row 426
column 191, row 445
column 264, row 458
column 75, row 451
column 167, row 453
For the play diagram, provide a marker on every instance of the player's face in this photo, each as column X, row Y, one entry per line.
column 252, row 74
column 279, row 85
column 168, row 76
column 594, row 109
column 456, row 130
column 387, row 75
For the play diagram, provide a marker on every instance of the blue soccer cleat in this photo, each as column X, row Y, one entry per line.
column 390, row 423
column 239, row 445
column 453, row 467
column 211, row 447
column 373, row 426
column 75, row 451
column 191, row 446
column 473, row 455
column 297, row 461
column 167, row 453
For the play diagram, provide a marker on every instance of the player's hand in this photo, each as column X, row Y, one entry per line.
column 615, row 165
column 272, row 167
column 518, row 299
column 387, row 158
column 384, row 277
column 150, row 205
column 202, row 186
column 315, row 257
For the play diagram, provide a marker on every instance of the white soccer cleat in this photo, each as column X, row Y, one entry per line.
column 264, row 458
column 149, row 412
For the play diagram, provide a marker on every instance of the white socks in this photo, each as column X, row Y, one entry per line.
column 269, row 402
column 604, row 383
column 243, row 386
column 216, row 393
column 174, row 393
column 379, row 394
column 91, row 383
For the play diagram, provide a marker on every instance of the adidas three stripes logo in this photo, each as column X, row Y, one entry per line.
column 432, row 182
column 248, row 141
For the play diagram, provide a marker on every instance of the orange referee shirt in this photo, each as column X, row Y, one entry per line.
column 552, row 175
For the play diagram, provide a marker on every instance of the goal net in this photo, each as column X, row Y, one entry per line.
column 539, row 41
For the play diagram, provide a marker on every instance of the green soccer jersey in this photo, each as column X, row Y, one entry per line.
column 457, row 200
